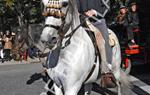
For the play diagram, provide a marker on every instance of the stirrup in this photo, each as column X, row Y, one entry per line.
column 108, row 80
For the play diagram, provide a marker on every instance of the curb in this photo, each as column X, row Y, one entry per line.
column 13, row 62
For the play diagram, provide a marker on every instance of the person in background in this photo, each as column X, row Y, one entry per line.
column 1, row 49
column 1, row 34
column 122, row 23
column 124, row 19
column 13, row 34
column 7, row 45
column 133, row 19
column 122, row 15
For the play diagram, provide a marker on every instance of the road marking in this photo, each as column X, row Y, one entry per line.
column 145, row 87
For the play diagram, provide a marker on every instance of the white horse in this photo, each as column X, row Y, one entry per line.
column 77, row 59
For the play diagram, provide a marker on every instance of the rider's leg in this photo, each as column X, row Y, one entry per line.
column 106, row 51
column 107, row 78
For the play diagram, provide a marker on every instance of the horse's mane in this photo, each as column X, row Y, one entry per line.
column 75, row 13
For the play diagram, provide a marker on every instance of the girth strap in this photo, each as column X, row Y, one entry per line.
column 91, row 72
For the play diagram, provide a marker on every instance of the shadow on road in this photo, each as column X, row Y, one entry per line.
column 103, row 91
column 139, row 91
column 37, row 76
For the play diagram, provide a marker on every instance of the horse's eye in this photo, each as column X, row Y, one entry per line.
column 64, row 4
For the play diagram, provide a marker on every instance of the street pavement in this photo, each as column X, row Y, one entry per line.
column 15, row 79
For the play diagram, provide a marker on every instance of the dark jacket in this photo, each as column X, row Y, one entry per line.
column 133, row 19
column 99, row 5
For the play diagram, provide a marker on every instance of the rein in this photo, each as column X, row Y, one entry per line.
column 71, row 34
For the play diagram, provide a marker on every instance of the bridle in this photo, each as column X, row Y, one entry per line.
column 62, row 30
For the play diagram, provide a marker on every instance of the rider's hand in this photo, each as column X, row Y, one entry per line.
column 91, row 13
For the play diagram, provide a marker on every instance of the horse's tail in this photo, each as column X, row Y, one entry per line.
column 124, row 79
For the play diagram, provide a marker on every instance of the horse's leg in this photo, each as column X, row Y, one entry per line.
column 118, row 87
column 58, row 90
column 87, row 89
column 73, row 89
column 50, row 88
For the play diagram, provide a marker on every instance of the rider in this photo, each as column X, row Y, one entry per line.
column 97, row 8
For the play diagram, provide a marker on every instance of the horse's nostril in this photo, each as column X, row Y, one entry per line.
column 42, row 41
column 53, row 38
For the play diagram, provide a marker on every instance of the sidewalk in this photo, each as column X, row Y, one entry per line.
column 29, row 61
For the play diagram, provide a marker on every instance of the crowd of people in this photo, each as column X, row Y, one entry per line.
column 128, row 19
column 8, row 50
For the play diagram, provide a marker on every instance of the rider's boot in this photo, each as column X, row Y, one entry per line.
column 108, row 80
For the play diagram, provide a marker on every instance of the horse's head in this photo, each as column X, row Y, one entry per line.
column 58, row 19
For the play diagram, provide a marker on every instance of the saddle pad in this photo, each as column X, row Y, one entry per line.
column 95, row 30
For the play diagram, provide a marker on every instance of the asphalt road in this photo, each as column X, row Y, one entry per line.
column 13, row 79
column 16, row 80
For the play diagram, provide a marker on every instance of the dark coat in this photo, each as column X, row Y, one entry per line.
column 98, row 5
column 133, row 19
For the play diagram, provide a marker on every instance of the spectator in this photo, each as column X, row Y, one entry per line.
column 123, row 19
column 134, row 20
column 1, row 50
column 122, row 15
column 7, row 45
column 1, row 47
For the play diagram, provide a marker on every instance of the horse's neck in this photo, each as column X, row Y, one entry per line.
column 80, row 42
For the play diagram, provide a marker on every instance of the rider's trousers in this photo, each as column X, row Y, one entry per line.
column 106, row 50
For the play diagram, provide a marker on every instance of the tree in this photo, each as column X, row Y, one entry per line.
column 9, row 3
